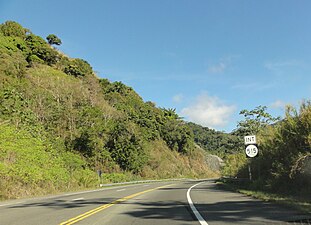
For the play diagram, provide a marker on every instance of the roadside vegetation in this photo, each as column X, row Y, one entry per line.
column 298, row 201
column 60, row 124
column 282, row 171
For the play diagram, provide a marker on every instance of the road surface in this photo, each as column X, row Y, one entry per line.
column 167, row 203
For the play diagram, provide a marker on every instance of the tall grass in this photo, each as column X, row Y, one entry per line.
column 30, row 166
column 164, row 163
column 284, row 164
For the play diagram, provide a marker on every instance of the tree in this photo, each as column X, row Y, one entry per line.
column 254, row 120
column 177, row 135
column 11, row 28
column 53, row 39
column 78, row 68
column 171, row 114
column 40, row 48
column 126, row 147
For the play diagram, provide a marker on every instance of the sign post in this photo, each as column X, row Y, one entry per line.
column 99, row 173
column 251, row 150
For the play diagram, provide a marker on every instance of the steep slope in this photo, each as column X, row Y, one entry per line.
column 73, row 124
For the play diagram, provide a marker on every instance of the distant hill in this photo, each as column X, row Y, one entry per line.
column 60, row 124
column 216, row 142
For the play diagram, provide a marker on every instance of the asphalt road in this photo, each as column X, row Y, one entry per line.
column 144, row 204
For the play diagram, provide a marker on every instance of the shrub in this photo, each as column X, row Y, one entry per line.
column 41, row 49
column 11, row 28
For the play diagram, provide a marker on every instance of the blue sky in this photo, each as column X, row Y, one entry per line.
column 208, row 59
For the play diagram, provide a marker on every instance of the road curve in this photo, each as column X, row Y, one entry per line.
column 145, row 204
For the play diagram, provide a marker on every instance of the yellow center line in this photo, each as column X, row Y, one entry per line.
column 98, row 209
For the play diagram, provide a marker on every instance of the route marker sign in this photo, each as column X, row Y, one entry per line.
column 250, row 140
column 251, row 151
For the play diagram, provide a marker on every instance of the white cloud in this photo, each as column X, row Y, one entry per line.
column 178, row 98
column 217, row 68
column 208, row 111
column 222, row 65
column 278, row 104
column 280, row 66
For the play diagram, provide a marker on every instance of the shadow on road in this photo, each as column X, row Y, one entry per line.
column 219, row 206
column 163, row 210
column 216, row 205
column 62, row 204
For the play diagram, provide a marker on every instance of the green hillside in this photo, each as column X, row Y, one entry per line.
column 60, row 123
column 216, row 142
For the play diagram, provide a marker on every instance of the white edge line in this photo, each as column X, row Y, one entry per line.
column 193, row 208
column 13, row 203
column 122, row 189
column 77, row 199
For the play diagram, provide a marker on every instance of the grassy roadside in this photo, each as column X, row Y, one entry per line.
column 300, row 203
column 31, row 165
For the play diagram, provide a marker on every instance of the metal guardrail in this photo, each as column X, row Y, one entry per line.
column 151, row 181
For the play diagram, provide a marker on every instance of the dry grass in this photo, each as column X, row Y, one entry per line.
column 165, row 163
